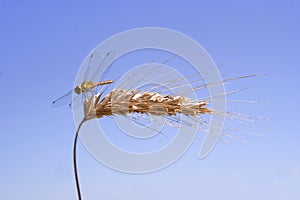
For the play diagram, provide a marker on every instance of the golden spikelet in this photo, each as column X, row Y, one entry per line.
column 123, row 102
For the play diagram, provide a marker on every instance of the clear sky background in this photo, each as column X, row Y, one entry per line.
column 42, row 46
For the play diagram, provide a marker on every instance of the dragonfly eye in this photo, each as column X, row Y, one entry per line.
column 77, row 90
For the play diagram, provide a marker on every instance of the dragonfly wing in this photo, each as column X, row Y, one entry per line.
column 93, row 62
column 66, row 99
column 108, row 62
column 77, row 101
column 101, row 69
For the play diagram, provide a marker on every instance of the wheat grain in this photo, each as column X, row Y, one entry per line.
column 124, row 102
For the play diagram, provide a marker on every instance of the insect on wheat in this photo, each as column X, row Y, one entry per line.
column 164, row 96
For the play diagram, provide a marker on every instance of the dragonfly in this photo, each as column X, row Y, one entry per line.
column 90, row 83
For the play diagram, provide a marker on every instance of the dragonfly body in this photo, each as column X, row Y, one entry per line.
column 88, row 86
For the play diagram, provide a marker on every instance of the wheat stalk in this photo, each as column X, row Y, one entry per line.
column 123, row 102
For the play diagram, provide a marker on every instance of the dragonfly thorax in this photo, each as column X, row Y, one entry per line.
column 84, row 87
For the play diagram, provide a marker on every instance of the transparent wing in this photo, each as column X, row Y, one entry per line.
column 97, row 64
column 76, row 102
column 67, row 100
column 93, row 61
column 109, row 57
column 63, row 100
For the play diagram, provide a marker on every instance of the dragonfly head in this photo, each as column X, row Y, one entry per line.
column 78, row 89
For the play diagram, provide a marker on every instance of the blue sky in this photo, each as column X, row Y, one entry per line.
column 43, row 45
